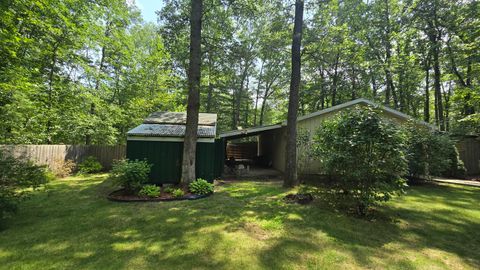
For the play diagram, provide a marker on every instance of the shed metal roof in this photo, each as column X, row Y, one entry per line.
column 168, row 130
column 180, row 118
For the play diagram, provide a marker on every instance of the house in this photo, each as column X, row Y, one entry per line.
column 159, row 140
column 271, row 140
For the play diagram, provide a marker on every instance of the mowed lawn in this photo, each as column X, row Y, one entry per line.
column 244, row 225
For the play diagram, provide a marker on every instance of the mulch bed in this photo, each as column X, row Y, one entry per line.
column 299, row 198
column 121, row 196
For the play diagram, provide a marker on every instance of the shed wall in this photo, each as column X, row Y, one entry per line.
column 166, row 158
column 307, row 165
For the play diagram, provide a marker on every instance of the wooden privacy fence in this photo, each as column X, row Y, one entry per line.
column 51, row 155
column 469, row 150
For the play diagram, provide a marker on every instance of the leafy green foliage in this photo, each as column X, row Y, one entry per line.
column 169, row 189
column 151, row 191
column 431, row 154
column 131, row 175
column 444, row 158
column 178, row 193
column 16, row 176
column 90, row 165
column 201, row 187
column 363, row 155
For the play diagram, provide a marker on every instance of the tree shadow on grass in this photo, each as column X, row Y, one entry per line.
column 74, row 225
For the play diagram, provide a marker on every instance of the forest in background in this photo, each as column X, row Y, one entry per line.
column 85, row 72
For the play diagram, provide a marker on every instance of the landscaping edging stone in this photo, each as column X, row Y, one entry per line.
column 113, row 196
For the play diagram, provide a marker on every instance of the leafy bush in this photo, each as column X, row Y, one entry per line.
column 17, row 175
column 150, row 191
column 201, row 187
column 431, row 154
column 444, row 159
column 131, row 175
column 178, row 193
column 363, row 155
column 90, row 165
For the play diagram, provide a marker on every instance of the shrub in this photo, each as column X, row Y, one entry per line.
column 431, row 154
column 16, row 176
column 444, row 159
column 131, row 175
column 90, row 165
column 201, row 187
column 178, row 193
column 363, row 155
column 63, row 168
column 150, row 191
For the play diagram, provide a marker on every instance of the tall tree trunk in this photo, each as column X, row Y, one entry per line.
column 437, row 82
column 354, row 84
column 50, row 91
column 426, row 106
column 335, row 80
column 290, row 179
column 101, row 66
column 322, row 87
column 210, row 87
column 190, row 140
column 374, row 83
column 259, row 83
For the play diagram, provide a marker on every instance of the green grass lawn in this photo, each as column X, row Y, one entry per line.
column 71, row 225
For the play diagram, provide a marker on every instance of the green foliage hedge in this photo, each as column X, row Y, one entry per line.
column 131, row 175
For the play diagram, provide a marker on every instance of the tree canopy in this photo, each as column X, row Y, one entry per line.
column 87, row 71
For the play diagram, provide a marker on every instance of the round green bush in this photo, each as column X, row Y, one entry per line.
column 131, row 175
column 200, row 187
column 90, row 165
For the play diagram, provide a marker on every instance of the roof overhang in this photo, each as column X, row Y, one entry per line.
column 166, row 139
column 253, row 131
column 235, row 134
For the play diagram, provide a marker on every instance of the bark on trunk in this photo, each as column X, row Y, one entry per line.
column 437, row 84
column 291, row 148
column 190, row 140
column 426, row 105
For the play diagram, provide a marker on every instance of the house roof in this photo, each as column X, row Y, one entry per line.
column 168, row 130
column 365, row 102
column 204, row 119
column 256, row 130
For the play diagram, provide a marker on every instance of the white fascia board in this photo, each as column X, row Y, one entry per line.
column 248, row 131
column 166, row 139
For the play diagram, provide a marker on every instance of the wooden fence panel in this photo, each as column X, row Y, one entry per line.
column 469, row 150
column 51, row 155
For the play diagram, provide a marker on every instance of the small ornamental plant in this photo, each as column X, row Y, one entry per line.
column 151, row 191
column 201, row 187
column 178, row 193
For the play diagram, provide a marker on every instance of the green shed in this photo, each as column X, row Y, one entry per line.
column 159, row 140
